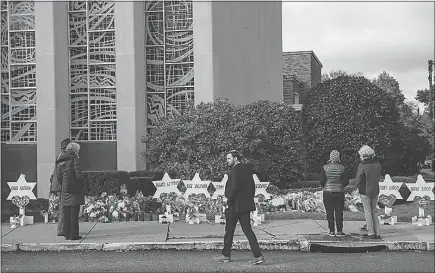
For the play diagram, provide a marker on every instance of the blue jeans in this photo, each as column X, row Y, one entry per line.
column 369, row 204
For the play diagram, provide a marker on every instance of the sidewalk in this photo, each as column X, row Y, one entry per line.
column 296, row 235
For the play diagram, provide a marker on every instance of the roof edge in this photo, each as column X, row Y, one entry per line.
column 304, row 52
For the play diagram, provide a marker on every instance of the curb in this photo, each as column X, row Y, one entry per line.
column 410, row 246
column 288, row 245
column 59, row 246
column 9, row 247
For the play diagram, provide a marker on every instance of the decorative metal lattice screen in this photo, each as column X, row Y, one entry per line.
column 92, row 63
column 18, row 72
column 169, row 58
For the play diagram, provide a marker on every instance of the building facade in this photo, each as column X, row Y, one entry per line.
column 104, row 73
column 302, row 70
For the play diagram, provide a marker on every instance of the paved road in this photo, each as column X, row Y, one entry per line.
column 196, row 261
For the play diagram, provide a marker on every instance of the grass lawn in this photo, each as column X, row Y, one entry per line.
column 404, row 213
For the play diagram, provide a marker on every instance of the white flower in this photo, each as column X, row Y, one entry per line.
column 115, row 214
column 93, row 215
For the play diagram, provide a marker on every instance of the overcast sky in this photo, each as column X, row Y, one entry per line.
column 365, row 37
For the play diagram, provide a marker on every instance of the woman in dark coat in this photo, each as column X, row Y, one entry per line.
column 70, row 176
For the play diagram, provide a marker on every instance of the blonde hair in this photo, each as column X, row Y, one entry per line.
column 73, row 147
column 366, row 152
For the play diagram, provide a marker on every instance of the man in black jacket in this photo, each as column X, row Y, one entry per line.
column 240, row 192
column 55, row 187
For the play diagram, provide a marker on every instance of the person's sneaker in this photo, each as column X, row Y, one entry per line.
column 76, row 238
column 222, row 258
column 340, row 233
column 371, row 236
column 332, row 233
column 363, row 228
column 258, row 260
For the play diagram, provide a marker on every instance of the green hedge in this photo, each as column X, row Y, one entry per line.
column 97, row 182
column 267, row 134
column 347, row 112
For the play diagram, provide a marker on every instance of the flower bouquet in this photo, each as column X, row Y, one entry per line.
column 139, row 205
column 96, row 209
column 124, row 208
column 169, row 206
column 388, row 202
column 220, row 205
column 53, row 207
column 111, row 202
column 192, row 214
column 421, row 220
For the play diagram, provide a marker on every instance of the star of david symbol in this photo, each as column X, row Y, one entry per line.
column 21, row 188
column 220, row 187
column 166, row 185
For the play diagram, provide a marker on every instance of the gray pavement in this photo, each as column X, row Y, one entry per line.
column 273, row 235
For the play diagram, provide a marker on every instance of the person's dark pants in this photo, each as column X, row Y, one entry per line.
column 334, row 204
column 60, row 217
column 231, row 218
column 71, row 221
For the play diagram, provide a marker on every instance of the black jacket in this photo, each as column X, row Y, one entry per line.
column 70, row 176
column 240, row 189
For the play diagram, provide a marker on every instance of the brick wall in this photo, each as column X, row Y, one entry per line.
column 316, row 71
column 288, row 88
column 304, row 65
column 298, row 65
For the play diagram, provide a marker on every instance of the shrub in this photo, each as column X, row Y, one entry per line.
column 266, row 133
column 97, row 182
column 143, row 184
column 404, row 179
column 347, row 112
column 153, row 175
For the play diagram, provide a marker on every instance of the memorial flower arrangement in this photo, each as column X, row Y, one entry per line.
column 111, row 202
column 169, row 200
column 96, row 208
column 53, row 207
column 421, row 201
column 124, row 208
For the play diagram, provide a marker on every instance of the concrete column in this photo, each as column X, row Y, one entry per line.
column 130, row 83
column 247, row 51
column 52, row 86
column 203, row 51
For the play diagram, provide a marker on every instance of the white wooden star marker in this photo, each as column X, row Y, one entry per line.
column 220, row 187
column 260, row 187
column 420, row 188
column 21, row 188
column 166, row 185
column 197, row 186
column 388, row 187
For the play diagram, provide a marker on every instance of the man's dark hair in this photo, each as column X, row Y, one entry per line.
column 235, row 153
column 65, row 143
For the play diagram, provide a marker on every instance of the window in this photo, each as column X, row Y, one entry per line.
column 169, row 58
column 92, row 65
column 18, row 72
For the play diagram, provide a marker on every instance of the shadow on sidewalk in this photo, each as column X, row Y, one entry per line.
column 334, row 249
